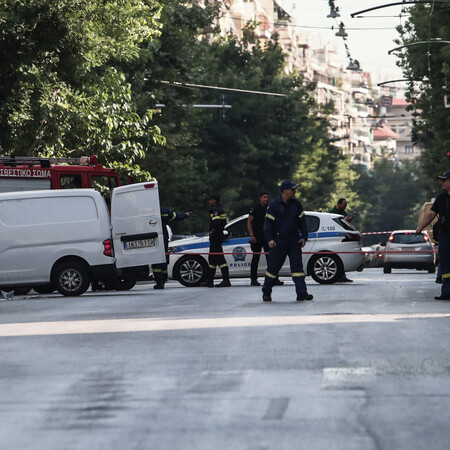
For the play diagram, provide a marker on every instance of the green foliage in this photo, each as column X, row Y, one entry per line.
column 430, row 62
column 62, row 90
column 388, row 195
column 236, row 152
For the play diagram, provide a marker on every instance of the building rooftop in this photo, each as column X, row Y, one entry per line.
column 400, row 102
column 383, row 133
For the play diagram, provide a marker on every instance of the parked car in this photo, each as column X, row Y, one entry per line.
column 415, row 251
column 327, row 233
column 373, row 256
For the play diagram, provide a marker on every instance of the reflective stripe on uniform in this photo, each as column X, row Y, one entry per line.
column 212, row 266
column 301, row 215
column 223, row 265
column 157, row 270
column 269, row 216
column 216, row 217
column 174, row 216
column 268, row 274
column 298, row 274
column 446, row 275
column 223, row 216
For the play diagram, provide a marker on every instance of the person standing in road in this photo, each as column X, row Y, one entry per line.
column 255, row 227
column 441, row 207
column 340, row 209
column 160, row 270
column 286, row 232
column 218, row 220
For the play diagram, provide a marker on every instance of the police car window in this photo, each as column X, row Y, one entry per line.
column 70, row 181
column 104, row 185
column 238, row 229
column 312, row 223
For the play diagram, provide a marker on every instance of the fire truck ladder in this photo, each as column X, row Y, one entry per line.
column 45, row 162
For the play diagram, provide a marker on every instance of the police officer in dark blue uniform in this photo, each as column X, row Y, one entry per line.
column 286, row 232
column 160, row 270
column 441, row 207
column 218, row 220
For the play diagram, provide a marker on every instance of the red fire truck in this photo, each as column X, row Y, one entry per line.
column 24, row 173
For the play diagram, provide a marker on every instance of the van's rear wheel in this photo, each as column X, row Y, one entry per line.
column 124, row 283
column 71, row 278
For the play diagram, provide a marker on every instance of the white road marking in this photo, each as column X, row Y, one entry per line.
column 149, row 324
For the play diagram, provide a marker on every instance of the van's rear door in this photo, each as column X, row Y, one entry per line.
column 136, row 225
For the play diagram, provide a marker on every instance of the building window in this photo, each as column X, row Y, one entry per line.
column 409, row 149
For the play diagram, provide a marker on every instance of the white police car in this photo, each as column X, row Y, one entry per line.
column 329, row 234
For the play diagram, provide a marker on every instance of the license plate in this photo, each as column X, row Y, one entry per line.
column 141, row 243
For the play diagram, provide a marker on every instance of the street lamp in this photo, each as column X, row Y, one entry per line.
column 333, row 13
column 341, row 32
column 431, row 41
column 392, row 4
column 354, row 65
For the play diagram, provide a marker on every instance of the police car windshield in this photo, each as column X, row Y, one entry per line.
column 408, row 238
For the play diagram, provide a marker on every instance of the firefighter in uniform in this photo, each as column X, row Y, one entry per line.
column 284, row 220
column 160, row 270
column 218, row 220
column 441, row 207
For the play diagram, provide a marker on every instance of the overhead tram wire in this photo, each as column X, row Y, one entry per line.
column 219, row 88
column 316, row 28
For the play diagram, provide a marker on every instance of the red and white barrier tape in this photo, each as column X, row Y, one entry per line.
column 307, row 253
column 376, row 232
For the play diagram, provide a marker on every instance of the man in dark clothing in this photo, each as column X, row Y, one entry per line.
column 218, row 220
column 160, row 270
column 284, row 220
column 441, row 207
column 340, row 209
column 255, row 227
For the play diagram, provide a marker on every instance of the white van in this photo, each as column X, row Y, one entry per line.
column 64, row 239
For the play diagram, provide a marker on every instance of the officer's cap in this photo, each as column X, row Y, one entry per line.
column 445, row 176
column 288, row 184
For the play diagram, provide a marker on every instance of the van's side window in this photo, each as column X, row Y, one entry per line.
column 71, row 182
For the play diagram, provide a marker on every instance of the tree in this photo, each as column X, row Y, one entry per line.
column 428, row 62
column 62, row 90
column 389, row 196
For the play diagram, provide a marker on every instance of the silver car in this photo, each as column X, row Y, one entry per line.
column 411, row 251
column 329, row 234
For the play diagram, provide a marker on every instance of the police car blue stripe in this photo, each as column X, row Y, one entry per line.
column 245, row 240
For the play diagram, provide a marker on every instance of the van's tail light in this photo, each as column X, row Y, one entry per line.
column 108, row 247
column 351, row 237
column 391, row 238
column 426, row 237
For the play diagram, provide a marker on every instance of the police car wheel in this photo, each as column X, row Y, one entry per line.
column 325, row 269
column 71, row 278
column 190, row 271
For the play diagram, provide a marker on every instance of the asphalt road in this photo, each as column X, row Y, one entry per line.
column 364, row 365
